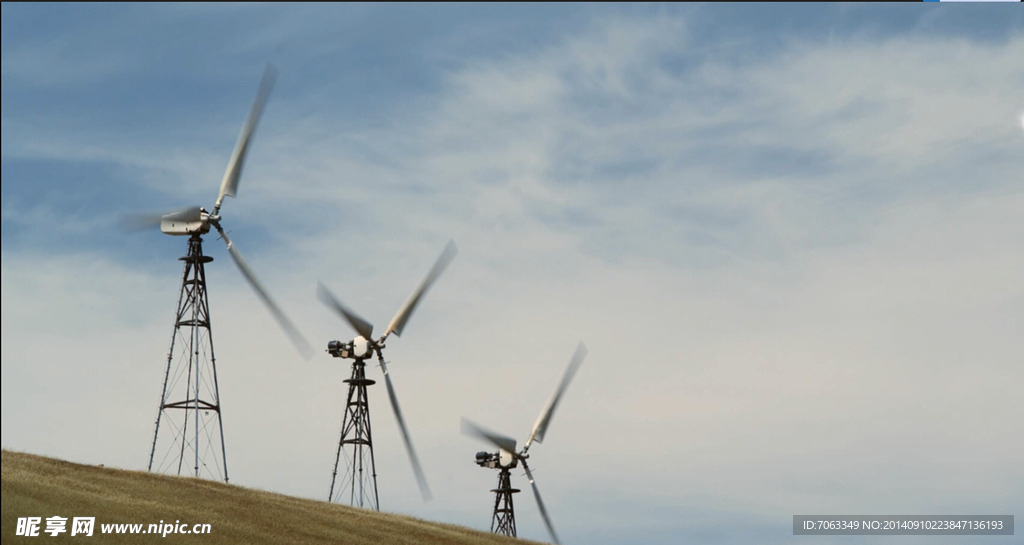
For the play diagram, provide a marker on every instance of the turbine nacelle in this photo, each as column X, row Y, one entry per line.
column 359, row 348
column 190, row 221
column 502, row 459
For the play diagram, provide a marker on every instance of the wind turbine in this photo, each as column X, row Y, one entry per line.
column 503, row 521
column 359, row 477
column 190, row 389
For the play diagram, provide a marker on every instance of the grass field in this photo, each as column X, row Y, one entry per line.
column 34, row 486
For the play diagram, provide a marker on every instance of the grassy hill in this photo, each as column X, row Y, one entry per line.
column 45, row 487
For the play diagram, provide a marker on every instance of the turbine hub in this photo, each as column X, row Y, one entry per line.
column 361, row 348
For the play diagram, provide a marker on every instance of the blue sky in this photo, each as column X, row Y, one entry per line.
column 789, row 236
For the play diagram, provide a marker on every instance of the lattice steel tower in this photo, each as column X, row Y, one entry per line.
column 504, row 520
column 358, row 485
column 193, row 439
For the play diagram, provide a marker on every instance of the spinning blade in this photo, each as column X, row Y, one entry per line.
column 402, row 316
column 360, row 325
column 541, row 426
column 421, row 479
column 229, row 185
column 540, row 502
column 503, row 442
column 289, row 328
column 152, row 220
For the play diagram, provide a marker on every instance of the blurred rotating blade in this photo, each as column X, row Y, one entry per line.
column 503, row 442
column 541, row 426
column 361, row 326
column 398, row 322
column 540, row 502
column 421, row 479
column 147, row 221
column 229, row 185
column 289, row 328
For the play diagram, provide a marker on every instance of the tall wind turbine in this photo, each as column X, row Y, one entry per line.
column 358, row 485
column 503, row 520
column 188, row 438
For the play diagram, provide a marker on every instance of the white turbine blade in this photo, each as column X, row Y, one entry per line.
column 540, row 502
column 133, row 223
column 503, row 442
column 152, row 220
column 361, row 326
column 421, row 479
column 289, row 328
column 398, row 322
column 229, row 185
column 192, row 213
column 541, row 426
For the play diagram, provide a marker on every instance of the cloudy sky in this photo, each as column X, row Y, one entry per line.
column 790, row 236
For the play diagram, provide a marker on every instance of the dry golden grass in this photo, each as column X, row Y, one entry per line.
column 44, row 487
